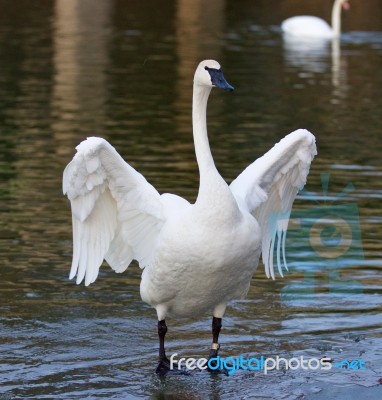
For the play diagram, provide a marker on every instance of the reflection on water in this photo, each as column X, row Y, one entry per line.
column 317, row 56
column 71, row 69
column 307, row 55
column 80, row 60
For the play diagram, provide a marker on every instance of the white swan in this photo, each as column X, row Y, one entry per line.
column 196, row 257
column 306, row 26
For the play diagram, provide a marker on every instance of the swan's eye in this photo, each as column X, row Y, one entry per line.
column 213, row 70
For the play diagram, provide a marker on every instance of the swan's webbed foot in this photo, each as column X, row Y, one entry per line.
column 213, row 366
column 218, row 371
column 164, row 367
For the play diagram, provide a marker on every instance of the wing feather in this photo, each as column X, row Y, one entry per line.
column 267, row 189
column 117, row 215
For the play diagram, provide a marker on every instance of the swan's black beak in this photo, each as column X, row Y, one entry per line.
column 218, row 80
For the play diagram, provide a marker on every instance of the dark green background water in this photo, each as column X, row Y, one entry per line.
column 123, row 70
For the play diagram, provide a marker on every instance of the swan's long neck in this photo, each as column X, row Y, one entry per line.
column 199, row 123
column 214, row 192
column 336, row 18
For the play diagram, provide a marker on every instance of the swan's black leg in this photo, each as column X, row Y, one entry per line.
column 213, row 364
column 216, row 327
column 164, row 365
column 162, row 330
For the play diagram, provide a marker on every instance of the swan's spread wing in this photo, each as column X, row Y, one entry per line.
column 268, row 187
column 117, row 214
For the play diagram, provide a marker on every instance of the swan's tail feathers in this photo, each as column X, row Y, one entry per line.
column 267, row 189
column 117, row 215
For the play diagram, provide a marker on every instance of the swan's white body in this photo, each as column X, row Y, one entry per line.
column 196, row 257
column 310, row 27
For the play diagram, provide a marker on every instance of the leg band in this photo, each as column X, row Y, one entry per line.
column 215, row 346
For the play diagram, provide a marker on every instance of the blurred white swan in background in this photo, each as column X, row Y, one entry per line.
column 196, row 257
column 306, row 26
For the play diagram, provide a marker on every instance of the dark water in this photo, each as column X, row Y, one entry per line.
column 123, row 70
